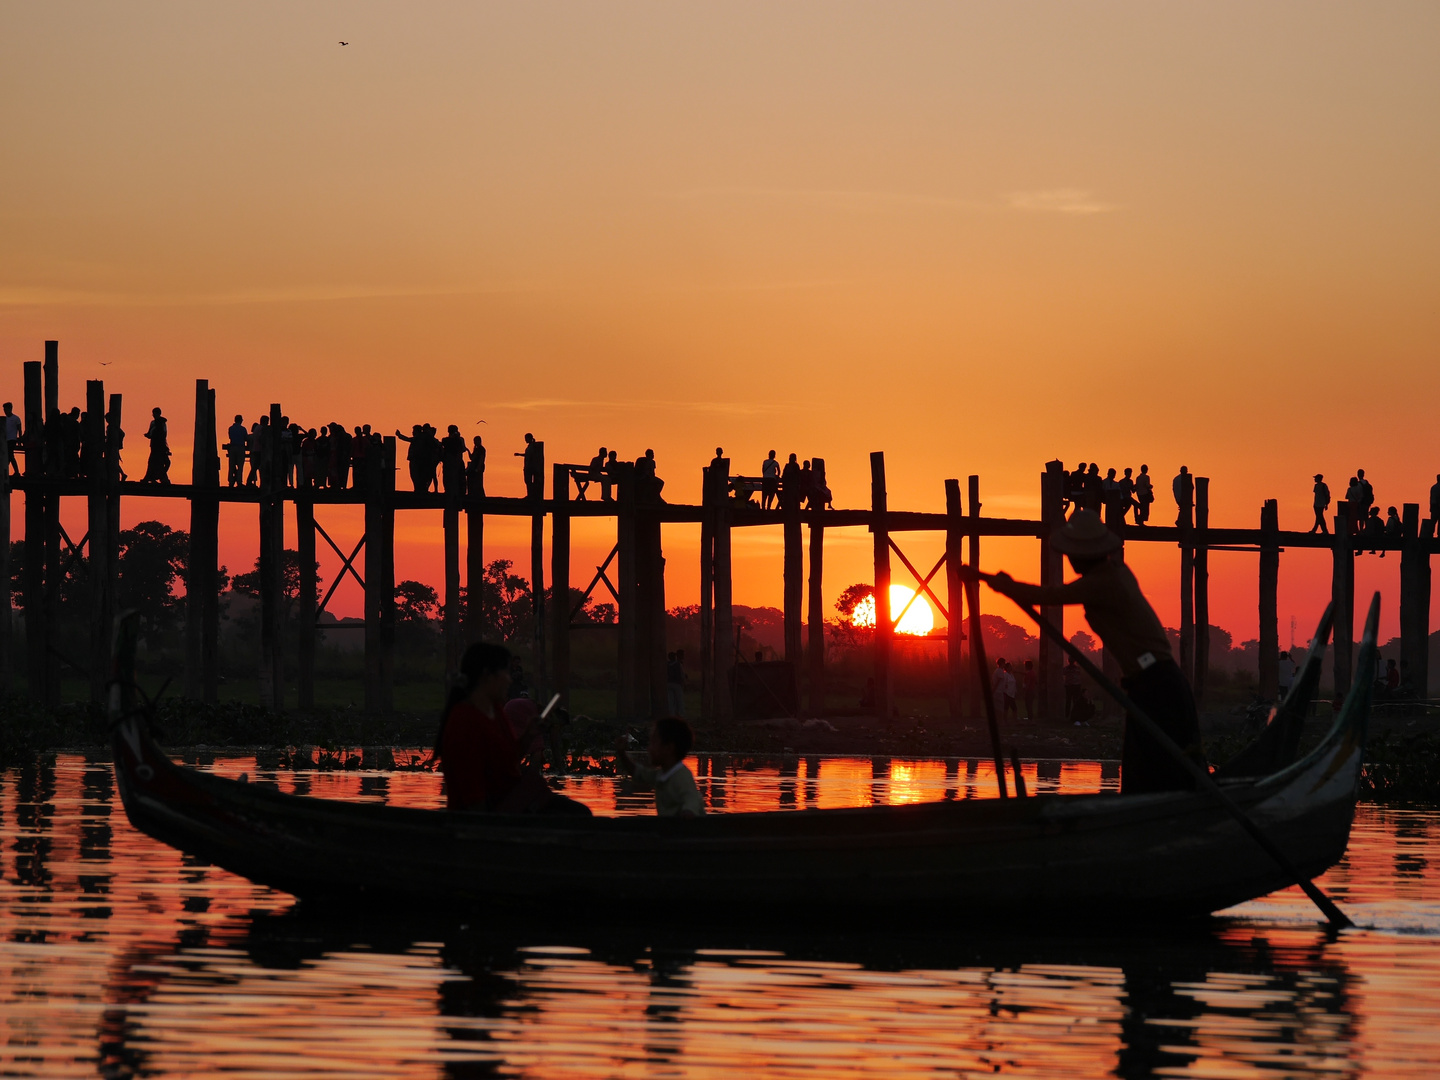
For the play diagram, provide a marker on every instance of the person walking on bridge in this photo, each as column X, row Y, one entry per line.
column 1435, row 499
column 1183, row 487
column 1132, row 633
column 1322, row 503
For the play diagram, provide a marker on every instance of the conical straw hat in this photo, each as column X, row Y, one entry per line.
column 1085, row 534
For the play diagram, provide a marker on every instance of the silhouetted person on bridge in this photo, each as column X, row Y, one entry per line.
column 769, row 481
column 1367, row 494
column 157, row 469
column 1354, row 495
column 820, row 495
column 1183, row 487
column 475, row 471
column 452, row 461
column 256, row 444
column 1144, row 495
column 1435, row 500
column 1322, row 503
column 790, row 482
column 360, row 458
column 534, row 467
column 597, row 475
column 1394, row 530
column 1128, row 627
column 415, row 457
column 649, row 482
column 12, row 432
column 1374, row 531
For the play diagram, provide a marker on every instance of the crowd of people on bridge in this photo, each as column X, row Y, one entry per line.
column 1115, row 497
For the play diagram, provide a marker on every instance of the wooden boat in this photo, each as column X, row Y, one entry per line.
column 1140, row 857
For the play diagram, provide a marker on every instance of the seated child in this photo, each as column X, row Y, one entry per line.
column 675, row 792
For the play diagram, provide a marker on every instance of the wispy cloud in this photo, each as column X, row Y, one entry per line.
column 720, row 408
column 1061, row 201
column 30, row 296
column 833, row 198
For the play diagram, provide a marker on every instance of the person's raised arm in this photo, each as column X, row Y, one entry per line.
column 1078, row 591
column 403, row 438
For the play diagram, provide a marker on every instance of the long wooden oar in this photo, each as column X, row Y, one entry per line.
column 982, row 672
column 1333, row 914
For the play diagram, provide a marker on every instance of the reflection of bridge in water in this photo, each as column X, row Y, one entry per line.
column 636, row 562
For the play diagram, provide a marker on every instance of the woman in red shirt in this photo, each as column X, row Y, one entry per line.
column 478, row 749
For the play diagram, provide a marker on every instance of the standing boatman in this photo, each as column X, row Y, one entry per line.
column 1129, row 628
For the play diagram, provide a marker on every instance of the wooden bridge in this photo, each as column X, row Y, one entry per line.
column 639, row 576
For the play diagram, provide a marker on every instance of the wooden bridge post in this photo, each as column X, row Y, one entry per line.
column 815, row 616
column 724, row 599
column 450, row 526
column 884, row 627
column 1185, row 521
column 1202, row 586
column 54, row 458
column 5, row 600
column 102, row 598
column 34, row 590
column 387, row 575
column 955, row 597
column 374, row 577
column 1269, row 604
column 474, row 566
column 1051, row 676
column 1414, row 599
column 537, row 576
column 560, row 581
column 202, row 579
column 1342, row 595
column 978, row 685
column 627, row 690
column 110, row 585
column 305, row 555
column 794, row 580
column 707, row 597
column 272, row 570
column 652, row 657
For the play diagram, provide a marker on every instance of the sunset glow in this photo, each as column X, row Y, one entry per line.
column 918, row 621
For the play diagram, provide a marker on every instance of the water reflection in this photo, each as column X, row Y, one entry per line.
column 119, row 957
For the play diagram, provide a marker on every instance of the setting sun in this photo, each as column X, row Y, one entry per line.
column 918, row 621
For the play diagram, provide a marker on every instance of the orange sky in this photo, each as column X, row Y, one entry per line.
column 975, row 236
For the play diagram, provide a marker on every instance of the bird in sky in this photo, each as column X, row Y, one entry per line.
column 106, row 363
column 344, row 43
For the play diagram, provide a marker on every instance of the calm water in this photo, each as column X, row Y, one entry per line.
column 119, row 957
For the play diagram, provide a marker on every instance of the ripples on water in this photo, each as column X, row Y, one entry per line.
column 121, row 957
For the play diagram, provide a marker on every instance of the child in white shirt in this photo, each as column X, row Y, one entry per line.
column 676, row 794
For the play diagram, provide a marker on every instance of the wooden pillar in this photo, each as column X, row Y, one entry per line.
column 450, row 525
column 1185, row 521
column 884, row 627
column 978, row 686
column 794, row 581
column 375, row 576
column 1202, row 587
column 1342, row 595
column 537, row 576
column 387, row 576
column 1414, row 599
column 102, row 594
column 815, row 615
column 1051, row 676
column 272, row 570
column 109, row 585
column 35, row 496
column 210, row 600
column 955, row 597
column 627, row 690
column 202, row 578
column 652, row 656
column 707, row 597
column 5, row 599
column 306, row 616
column 724, row 598
column 560, row 581
column 1269, row 605
column 54, row 473
column 474, row 567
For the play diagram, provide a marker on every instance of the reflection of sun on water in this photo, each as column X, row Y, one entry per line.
column 919, row 620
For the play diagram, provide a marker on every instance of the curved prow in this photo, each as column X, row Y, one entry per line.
column 1278, row 744
column 1342, row 750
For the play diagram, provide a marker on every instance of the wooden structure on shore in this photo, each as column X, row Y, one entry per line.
column 638, row 564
